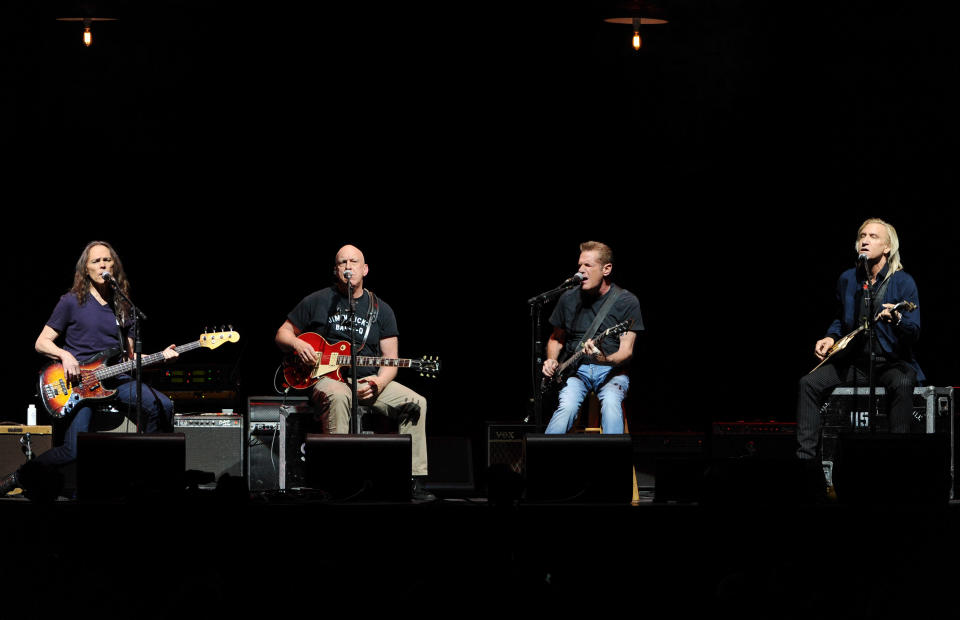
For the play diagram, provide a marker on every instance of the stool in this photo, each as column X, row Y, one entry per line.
column 589, row 420
column 372, row 422
column 109, row 419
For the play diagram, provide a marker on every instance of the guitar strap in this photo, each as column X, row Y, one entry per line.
column 120, row 341
column 601, row 314
column 372, row 313
column 877, row 297
column 883, row 288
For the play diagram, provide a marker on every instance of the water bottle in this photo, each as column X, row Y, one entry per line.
column 31, row 415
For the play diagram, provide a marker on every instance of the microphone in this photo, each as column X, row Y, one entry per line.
column 106, row 277
column 347, row 274
column 861, row 258
column 574, row 280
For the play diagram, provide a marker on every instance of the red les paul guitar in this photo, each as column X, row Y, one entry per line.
column 61, row 397
column 331, row 357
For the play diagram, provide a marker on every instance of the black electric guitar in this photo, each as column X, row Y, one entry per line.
column 840, row 345
column 567, row 367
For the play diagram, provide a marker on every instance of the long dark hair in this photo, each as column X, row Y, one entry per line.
column 82, row 283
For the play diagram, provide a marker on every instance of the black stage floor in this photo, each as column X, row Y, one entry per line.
column 208, row 556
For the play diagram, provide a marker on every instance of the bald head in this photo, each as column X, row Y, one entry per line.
column 350, row 257
column 349, row 251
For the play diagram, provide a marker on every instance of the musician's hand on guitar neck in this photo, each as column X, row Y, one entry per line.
column 550, row 367
column 170, row 353
column 823, row 347
column 590, row 348
column 887, row 315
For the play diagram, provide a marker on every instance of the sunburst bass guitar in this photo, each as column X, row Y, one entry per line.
column 60, row 397
column 840, row 345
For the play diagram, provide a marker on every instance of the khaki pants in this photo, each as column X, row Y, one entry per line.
column 332, row 399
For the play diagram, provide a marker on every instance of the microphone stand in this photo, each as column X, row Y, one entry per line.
column 870, row 328
column 137, row 349
column 355, row 426
column 536, row 355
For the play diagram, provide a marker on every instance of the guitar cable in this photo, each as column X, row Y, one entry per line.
column 276, row 389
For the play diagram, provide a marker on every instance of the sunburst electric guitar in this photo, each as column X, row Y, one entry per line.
column 333, row 356
column 840, row 345
column 60, row 397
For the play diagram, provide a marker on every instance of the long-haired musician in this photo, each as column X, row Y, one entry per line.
column 880, row 273
column 88, row 320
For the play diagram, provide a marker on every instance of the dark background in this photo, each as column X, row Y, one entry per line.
column 227, row 150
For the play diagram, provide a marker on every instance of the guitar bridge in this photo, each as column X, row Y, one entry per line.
column 321, row 369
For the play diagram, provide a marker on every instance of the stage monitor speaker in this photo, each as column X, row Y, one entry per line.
column 886, row 468
column 451, row 465
column 214, row 445
column 17, row 441
column 121, row 466
column 359, row 467
column 578, row 468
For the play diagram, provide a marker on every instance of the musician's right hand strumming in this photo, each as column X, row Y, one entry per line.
column 71, row 367
column 823, row 347
column 46, row 345
column 304, row 352
column 550, row 367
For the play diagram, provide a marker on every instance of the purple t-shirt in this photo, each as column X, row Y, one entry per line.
column 85, row 329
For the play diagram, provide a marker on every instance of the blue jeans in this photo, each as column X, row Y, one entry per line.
column 157, row 413
column 610, row 390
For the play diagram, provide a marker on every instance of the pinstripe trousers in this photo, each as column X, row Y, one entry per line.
column 897, row 378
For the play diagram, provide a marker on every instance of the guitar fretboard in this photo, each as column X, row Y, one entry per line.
column 125, row 367
column 362, row 360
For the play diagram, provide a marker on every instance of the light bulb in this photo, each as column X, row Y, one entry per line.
column 637, row 42
column 87, row 37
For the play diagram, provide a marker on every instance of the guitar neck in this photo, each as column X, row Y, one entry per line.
column 570, row 361
column 147, row 360
column 580, row 352
column 362, row 360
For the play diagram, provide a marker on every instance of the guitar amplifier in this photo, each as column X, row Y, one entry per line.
column 19, row 441
column 765, row 440
column 276, row 453
column 505, row 444
column 214, row 444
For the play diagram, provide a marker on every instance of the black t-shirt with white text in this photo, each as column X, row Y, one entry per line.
column 326, row 312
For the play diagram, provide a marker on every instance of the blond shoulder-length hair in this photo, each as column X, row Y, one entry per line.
column 894, row 263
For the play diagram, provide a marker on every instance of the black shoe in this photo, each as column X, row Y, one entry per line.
column 9, row 483
column 419, row 493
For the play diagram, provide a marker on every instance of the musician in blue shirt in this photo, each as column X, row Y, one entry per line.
column 896, row 329
column 89, row 319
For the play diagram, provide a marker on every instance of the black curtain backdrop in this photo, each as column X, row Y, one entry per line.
column 228, row 151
